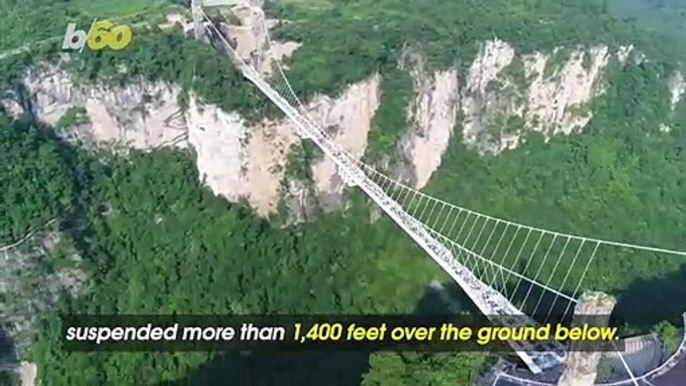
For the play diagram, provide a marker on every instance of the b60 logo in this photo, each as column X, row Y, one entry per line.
column 102, row 34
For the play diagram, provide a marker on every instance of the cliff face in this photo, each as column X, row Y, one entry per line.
column 140, row 115
column 501, row 97
column 431, row 118
column 677, row 88
column 507, row 95
column 236, row 160
column 348, row 120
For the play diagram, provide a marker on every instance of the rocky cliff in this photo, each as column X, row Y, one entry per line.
column 431, row 117
column 677, row 88
column 508, row 94
column 235, row 159
column 141, row 115
column 501, row 96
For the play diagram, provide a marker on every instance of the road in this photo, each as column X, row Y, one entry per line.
column 676, row 376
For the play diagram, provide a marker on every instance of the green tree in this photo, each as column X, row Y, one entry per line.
column 669, row 334
column 419, row 369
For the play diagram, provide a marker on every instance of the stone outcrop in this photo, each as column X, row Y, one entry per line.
column 348, row 121
column 237, row 160
column 431, row 118
column 677, row 88
column 141, row 115
column 507, row 95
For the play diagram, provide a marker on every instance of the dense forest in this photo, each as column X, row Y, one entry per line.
column 155, row 241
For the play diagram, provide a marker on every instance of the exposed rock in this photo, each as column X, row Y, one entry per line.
column 348, row 118
column 491, row 60
column 624, row 52
column 677, row 88
column 278, row 51
column 252, row 37
column 237, row 161
column 141, row 115
column 431, row 117
column 251, row 33
column 300, row 201
column 12, row 107
column 9, row 101
column 174, row 20
column 27, row 373
column 495, row 55
column 571, row 87
column 498, row 109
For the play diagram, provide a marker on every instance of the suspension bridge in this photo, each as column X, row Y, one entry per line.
column 516, row 275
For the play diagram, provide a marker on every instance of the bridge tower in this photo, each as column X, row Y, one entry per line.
column 198, row 20
column 593, row 308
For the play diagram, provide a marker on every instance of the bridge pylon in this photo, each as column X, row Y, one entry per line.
column 198, row 20
column 593, row 308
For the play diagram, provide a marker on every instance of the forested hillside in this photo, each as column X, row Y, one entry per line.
column 155, row 241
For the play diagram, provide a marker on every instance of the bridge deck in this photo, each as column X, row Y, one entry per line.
column 537, row 355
